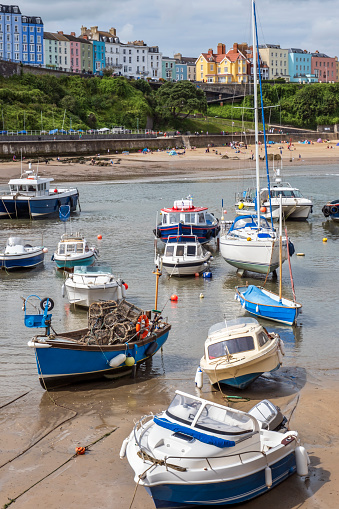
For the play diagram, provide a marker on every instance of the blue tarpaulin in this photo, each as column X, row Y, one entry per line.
column 256, row 295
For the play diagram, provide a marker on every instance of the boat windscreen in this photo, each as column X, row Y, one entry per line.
column 231, row 346
column 183, row 408
column 15, row 241
column 223, row 421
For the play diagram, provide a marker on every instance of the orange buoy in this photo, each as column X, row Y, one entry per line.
column 197, row 274
column 99, row 237
column 262, row 209
column 174, row 298
column 80, row 450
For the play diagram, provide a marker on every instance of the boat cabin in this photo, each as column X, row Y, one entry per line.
column 284, row 189
column 193, row 216
column 183, row 250
column 32, row 185
column 234, row 337
column 69, row 245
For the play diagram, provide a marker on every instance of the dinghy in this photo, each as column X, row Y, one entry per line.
column 19, row 255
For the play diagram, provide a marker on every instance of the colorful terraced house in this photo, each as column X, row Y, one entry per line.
column 222, row 67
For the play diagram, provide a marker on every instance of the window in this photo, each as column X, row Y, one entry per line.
column 8, row 28
column 231, row 346
column 38, row 30
column 191, row 250
column 262, row 338
column 31, row 48
column 31, row 29
column 24, row 29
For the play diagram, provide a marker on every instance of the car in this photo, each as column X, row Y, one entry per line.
column 22, row 132
column 118, row 130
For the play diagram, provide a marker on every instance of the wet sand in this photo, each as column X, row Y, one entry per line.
column 40, row 431
column 50, row 426
column 161, row 165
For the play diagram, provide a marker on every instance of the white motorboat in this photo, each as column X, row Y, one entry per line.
column 185, row 256
column 239, row 351
column 294, row 205
column 92, row 284
column 20, row 255
column 73, row 251
column 200, row 453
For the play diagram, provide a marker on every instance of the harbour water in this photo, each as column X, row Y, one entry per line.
column 124, row 213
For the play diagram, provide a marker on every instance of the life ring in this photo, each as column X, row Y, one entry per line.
column 43, row 303
column 144, row 324
column 334, row 210
column 326, row 210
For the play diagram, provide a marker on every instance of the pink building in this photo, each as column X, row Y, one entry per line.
column 324, row 67
column 75, row 52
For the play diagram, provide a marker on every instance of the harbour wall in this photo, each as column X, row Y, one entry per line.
column 86, row 147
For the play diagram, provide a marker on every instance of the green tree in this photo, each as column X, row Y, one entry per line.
column 174, row 99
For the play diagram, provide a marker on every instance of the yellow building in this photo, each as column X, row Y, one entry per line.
column 222, row 67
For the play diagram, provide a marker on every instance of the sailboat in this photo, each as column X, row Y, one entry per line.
column 251, row 243
column 260, row 302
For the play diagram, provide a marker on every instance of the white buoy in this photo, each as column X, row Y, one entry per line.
column 122, row 453
column 117, row 360
column 282, row 346
column 45, row 250
column 123, row 290
column 63, row 290
column 301, row 459
column 119, row 292
column 199, row 378
column 268, row 477
column 280, row 356
column 201, row 296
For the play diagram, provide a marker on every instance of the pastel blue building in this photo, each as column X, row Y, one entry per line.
column 299, row 66
column 10, row 33
column 98, row 56
column 180, row 71
column 32, row 40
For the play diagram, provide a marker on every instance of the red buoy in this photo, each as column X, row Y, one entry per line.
column 174, row 298
column 263, row 209
column 197, row 274
column 99, row 237
column 55, row 191
column 125, row 285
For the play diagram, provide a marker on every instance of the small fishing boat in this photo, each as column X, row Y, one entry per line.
column 238, row 351
column 91, row 284
column 119, row 337
column 294, row 206
column 186, row 219
column 73, row 250
column 185, row 256
column 19, row 255
column 30, row 197
column 331, row 210
column 198, row 453
column 260, row 302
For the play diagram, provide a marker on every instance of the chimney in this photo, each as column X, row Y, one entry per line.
column 112, row 31
column 235, row 46
column 60, row 32
column 85, row 36
column 73, row 33
column 221, row 49
column 83, row 30
column 210, row 51
column 94, row 30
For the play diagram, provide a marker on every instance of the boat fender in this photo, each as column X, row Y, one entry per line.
column 130, row 361
column 151, row 349
column 326, row 210
column 207, row 275
column 334, row 210
column 199, row 378
column 119, row 291
column 291, row 248
column 301, row 458
column 124, row 444
column 63, row 288
column 280, row 356
column 281, row 346
column 268, row 476
column 52, row 258
column 117, row 360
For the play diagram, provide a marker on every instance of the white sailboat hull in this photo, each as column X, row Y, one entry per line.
column 260, row 256
column 297, row 211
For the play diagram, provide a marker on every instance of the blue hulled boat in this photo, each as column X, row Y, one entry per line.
column 119, row 337
column 186, row 219
column 30, row 196
column 260, row 302
column 19, row 255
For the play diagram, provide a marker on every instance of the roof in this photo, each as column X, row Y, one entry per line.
column 192, row 209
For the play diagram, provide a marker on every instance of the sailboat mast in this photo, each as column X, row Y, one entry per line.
column 256, row 117
column 280, row 248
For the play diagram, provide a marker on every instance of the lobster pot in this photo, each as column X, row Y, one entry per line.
column 97, row 309
column 129, row 311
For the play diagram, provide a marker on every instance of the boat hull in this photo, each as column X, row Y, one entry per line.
column 225, row 492
column 203, row 233
column 69, row 263
column 17, row 262
column 254, row 256
column 185, row 269
column 36, row 207
column 286, row 314
column 63, row 362
column 87, row 295
column 290, row 212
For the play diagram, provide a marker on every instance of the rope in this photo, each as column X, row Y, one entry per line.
column 11, row 500
column 15, row 399
column 160, row 463
column 4, row 204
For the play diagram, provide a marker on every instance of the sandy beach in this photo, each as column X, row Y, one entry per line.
column 40, row 430
column 194, row 162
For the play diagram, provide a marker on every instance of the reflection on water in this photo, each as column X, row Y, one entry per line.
column 125, row 215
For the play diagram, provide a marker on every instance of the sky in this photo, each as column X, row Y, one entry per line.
column 192, row 27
